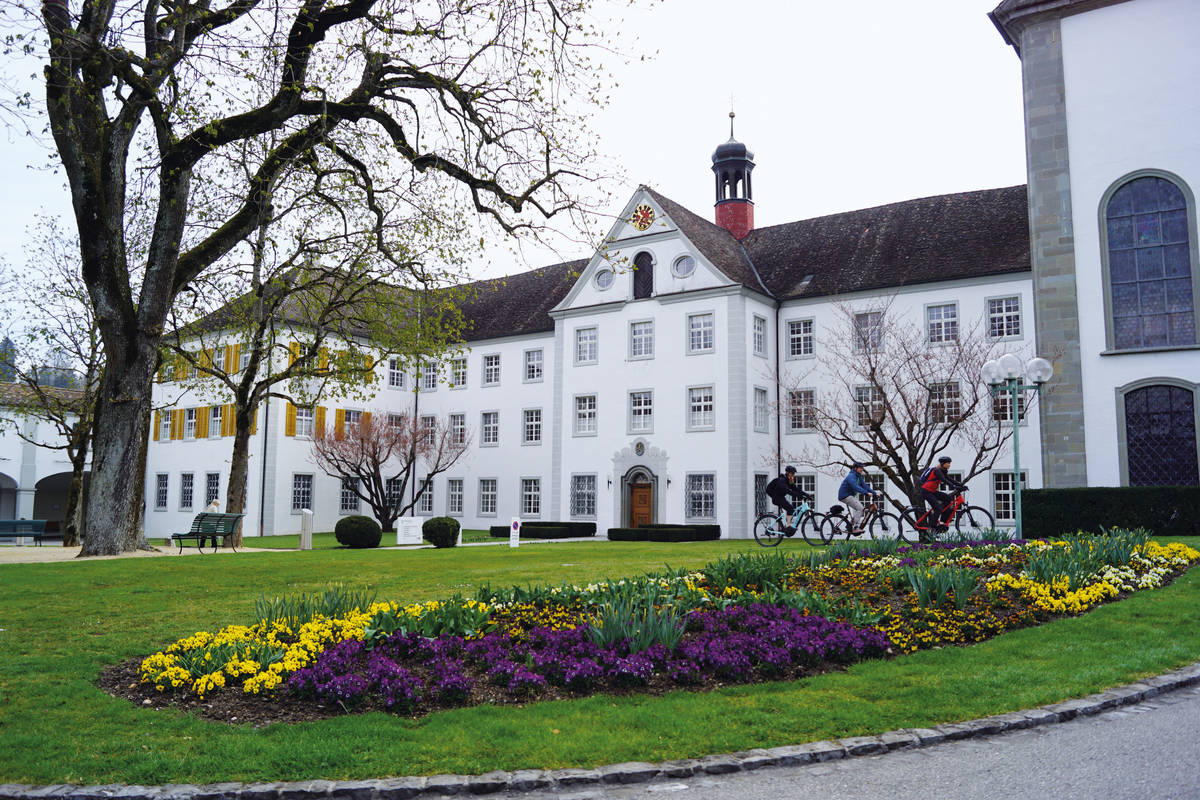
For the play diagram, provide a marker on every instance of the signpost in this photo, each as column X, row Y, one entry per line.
column 514, row 533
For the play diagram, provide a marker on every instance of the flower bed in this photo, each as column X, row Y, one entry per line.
column 743, row 618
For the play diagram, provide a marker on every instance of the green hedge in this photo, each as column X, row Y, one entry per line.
column 1163, row 510
column 666, row 533
column 547, row 530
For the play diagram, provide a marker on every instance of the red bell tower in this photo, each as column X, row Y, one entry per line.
column 732, row 164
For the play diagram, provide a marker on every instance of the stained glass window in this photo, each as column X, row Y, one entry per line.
column 1160, row 436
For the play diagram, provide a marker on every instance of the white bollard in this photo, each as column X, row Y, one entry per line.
column 514, row 533
column 306, row 526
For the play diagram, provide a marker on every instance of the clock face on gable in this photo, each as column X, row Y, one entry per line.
column 643, row 215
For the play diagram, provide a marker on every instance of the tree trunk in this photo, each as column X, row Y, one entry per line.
column 73, row 519
column 235, row 498
column 115, row 497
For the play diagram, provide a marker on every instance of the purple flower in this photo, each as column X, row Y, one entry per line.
column 525, row 682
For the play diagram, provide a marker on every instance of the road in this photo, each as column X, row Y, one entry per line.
column 1143, row 752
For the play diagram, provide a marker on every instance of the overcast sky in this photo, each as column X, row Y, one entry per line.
column 846, row 105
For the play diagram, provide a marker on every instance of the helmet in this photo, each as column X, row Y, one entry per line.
column 789, row 469
column 857, row 464
column 944, row 460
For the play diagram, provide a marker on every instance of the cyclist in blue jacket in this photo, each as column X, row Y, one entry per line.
column 852, row 486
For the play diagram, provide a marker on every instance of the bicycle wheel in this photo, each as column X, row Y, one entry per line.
column 765, row 531
column 835, row 525
column 974, row 521
column 910, row 531
column 810, row 528
column 885, row 525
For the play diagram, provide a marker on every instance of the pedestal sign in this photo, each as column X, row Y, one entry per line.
column 514, row 533
column 408, row 530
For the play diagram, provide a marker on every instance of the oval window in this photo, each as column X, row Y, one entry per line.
column 604, row 278
column 684, row 266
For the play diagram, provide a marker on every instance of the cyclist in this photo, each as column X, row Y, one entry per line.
column 931, row 484
column 779, row 489
column 852, row 486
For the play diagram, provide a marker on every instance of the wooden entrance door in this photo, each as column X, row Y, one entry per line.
column 640, row 510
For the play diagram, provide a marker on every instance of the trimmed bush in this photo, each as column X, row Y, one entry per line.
column 1162, row 510
column 357, row 531
column 547, row 530
column 666, row 533
column 441, row 531
column 498, row 531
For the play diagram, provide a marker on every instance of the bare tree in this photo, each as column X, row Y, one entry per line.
column 469, row 97
column 883, row 394
column 379, row 458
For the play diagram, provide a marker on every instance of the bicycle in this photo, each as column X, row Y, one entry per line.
column 967, row 519
column 770, row 527
column 881, row 524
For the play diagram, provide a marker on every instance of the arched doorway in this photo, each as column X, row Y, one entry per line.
column 8, row 497
column 639, row 486
column 1159, row 422
column 50, row 500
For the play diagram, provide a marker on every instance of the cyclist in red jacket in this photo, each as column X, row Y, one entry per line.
column 931, row 485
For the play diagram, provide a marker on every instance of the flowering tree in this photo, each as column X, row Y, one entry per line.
column 894, row 394
column 379, row 458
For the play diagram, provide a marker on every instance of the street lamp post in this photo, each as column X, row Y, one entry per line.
column 1004, row 376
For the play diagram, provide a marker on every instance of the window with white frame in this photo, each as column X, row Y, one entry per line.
column 215, row 415
column 701, row 408
column 487, row 496
column 585, row 415
column 941, row 323
column 700, row 496
column 243, row 358
column 946, row 487
column 353, row 418
column 868, row 331
column 458, row 428
column 164, row 426
column 801, row 410
column 701, row 333
column 1004, row 317
column 429, row 375
column 807, row 482
column 583, row 496
column 491, row 369
column 761, row 501
column 1004, row 495
column 395, row 421
column 212, row 487
column 534, row 364
column 531, row 497
column 1002, row 407
column 759, row 335
column 160, row 491
column 489, row 429
column 186, row 484
column 348, row 500
column 392, row 488
column 868, row 405
column 586, row 345
column 454, row 496
column 876, row 481
column 641, row 339
column 458, row 373
column 801, row 341
column 395, row 374
column 305, row 421
column 641, row 411
column 425, row 504
column 945, row 403
column 428, row 429
column 532, row 429
column 189, row 423
column 762, row 416
column 302, row 492
column 218, row 359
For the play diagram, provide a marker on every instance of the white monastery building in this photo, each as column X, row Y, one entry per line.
column 642, row 384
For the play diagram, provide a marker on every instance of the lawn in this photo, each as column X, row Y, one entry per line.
column 63, row 623
column 325, row 540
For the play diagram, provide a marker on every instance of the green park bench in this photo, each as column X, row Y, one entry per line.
column 20, row 529
column 209, row 525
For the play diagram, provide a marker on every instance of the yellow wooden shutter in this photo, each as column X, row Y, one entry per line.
column 323, row 359
column 227, row 423
column 157, row 423
column 339, row 423
column 319, row 421
column 204, row 357
column 289, row 421
column 366, row 420
column 202, row 422
column 177, row 424
column 233, row 359
column 370, row 362
column 294, row 352
column 180, row 368
column 254, row 422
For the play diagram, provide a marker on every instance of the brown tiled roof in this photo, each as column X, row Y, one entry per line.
column 931, row 239
column 518, row 304
column 717, row 244
column 18, row 395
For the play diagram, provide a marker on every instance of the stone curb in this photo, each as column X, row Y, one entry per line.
column 629, row 772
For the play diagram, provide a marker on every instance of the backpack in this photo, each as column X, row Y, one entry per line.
column 926, row 475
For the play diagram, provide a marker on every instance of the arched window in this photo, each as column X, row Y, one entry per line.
column 643, row 275
column 1150, row 276
column 1160, row 435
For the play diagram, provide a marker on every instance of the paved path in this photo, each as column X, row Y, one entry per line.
column 1149, row 750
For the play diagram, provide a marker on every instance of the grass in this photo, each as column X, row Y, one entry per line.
column 65, row 622
column 325, row 540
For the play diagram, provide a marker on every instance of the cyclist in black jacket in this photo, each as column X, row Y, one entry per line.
column 779, row 489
